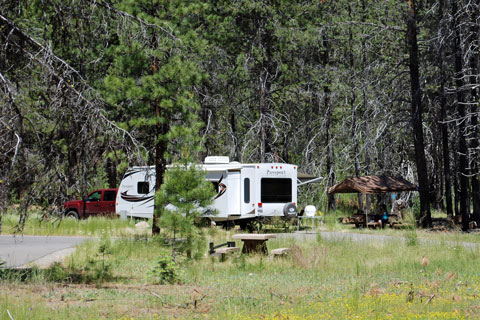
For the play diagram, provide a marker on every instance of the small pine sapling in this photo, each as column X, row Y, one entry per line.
column 183, row 197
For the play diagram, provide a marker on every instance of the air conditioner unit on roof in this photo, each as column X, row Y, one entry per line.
column 217, row 160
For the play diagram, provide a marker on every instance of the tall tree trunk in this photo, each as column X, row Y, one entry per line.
column 356, row 153
column 286, row 146
column 474, row 67
column 265, row 83
column 443, row 118
column 263, row 122
column 456, row 191
column 84, row 172
column 161, row 147
column 207, row 143
column 368, row 198
column 236, row 145
column 72, row 165
column 160, row 163
column 420, row 160
column 461, row 123
column 330, row 163
column 111, row 168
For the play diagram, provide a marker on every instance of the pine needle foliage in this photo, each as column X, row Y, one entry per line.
column 183, row 197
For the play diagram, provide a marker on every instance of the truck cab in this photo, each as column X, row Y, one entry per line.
column 97, row 203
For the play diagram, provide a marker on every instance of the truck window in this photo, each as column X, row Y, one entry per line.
column 246, row 190
column 276, row 190
column 95, row 196
column 109, row 195
column 143, row 187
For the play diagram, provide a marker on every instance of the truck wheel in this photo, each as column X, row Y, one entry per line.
column 71, row 214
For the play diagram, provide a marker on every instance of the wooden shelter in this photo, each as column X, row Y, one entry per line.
column 372, row 185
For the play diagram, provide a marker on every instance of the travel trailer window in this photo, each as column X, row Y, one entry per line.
column 246, row 190
column 276, row 190
column 143, row 187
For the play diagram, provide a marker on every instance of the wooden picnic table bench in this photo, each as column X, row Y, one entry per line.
column 253, row 243
column 373, row 225
column 223, row 252
column 280, row 252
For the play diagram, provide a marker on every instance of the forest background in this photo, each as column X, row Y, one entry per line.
column 340, row 88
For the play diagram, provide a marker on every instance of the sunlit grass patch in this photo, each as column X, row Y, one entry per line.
column 36, row 224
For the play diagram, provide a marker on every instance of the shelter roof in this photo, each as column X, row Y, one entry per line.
column 372, row 184
column 305, row 176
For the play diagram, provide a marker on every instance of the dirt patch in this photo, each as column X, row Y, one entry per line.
column 126, row 300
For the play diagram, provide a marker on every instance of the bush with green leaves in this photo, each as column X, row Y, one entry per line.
column 165, row 270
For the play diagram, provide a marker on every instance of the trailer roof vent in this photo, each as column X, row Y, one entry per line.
column 217, row 160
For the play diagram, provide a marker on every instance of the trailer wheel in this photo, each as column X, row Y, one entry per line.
column 71, row 214
column 289, row 210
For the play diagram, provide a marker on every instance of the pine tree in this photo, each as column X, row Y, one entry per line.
column 186, row 189
column 152, row 79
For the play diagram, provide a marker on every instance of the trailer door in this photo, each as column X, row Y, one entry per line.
column 233, row 193
column 247, row 197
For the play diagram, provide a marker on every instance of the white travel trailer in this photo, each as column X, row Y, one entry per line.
column 245, row 192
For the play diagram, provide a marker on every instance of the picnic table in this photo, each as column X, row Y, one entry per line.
column 253, row 243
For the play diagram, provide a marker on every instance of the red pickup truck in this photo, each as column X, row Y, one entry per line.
column 98, row 202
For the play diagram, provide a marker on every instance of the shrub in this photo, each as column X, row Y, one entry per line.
column 165, row 270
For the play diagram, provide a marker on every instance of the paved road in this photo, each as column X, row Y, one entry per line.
column 19, row 250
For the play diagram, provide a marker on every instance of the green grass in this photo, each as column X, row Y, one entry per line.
column 320, row 279
column 36, row 225
column 110, row 277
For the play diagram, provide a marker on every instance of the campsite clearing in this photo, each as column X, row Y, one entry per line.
column 320, row 278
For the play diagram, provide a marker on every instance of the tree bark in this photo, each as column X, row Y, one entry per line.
column 160, row 163
column 161, row 147
column 444, row 125
column 236, row 145
column 265, row 84
column 356, row 153
column 111, row 167
column 366, row 115
column 420, row 160
column 474, row 67
column 330, row 163
column 461, row 123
